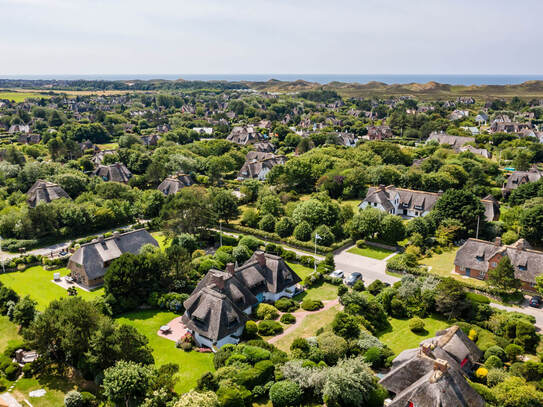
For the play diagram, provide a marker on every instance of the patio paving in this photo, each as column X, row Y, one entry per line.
column 177, row 330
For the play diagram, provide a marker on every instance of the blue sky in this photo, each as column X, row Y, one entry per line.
column 276, row 36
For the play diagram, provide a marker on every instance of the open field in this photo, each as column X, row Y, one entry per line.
column 21, row 96
column 36, row 282
column 191, row 364
column 369, row 251
column 399, row 337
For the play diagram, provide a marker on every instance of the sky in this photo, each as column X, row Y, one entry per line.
column 270, row 36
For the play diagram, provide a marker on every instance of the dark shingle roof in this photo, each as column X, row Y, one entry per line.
column 44, row 192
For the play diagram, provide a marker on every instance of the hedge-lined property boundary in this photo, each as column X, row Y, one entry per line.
column 290, row 241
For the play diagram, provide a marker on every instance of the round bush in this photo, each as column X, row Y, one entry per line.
column 513, row 351
column 251, row 242
column 359, row 286
column 284, row 227
column 326, row 235
column 473, row 335
column 267, row 223
column 286, row 305
column 288, row 319
column 495, row 376
column 302, row 231
column 397, row 308
column 312, row 305
column 301, row 344
column 266, row 311
column 373, row 356
column 28, row 371
column 269, row 328
column 493, row 362
column 73, row 399
column 251, row 329
column 495, row 350
column 12, row 371
column 285, row 394
column 416, row 325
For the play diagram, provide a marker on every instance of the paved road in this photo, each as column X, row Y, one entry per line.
column 372, row 269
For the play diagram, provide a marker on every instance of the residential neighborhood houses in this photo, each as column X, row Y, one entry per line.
column 234, row 241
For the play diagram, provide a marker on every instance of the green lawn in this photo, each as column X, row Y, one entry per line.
column 323, row 291
column 56, row 388
column 191, row 364
column 369, row 251
column 302, row 271
column 443, row 265
column 37, row 282
column 161, row 239
column 8, row 333
column 108, row 146
column 22, row 96
column 399, row 337
column 308, row 327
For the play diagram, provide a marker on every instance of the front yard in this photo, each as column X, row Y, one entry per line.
column 324, row 291
column 191, row 364
column 399, row 337
column 443, row 265
column 369, row 251
column 37, row 283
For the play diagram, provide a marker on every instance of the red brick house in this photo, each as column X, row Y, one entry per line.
column 476, row 257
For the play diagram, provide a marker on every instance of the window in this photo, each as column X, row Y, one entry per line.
column 480, row 258
column 522, row 267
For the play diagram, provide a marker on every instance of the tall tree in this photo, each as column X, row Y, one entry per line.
column 503, row 275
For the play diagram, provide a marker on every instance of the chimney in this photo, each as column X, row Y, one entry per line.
column 426, row 349
column 218, row 282
column 100, row 238
column 382, row 187
column 230, row 268
column 441, row 365
column 261, row 258
column 498, row 241
column 116, row 234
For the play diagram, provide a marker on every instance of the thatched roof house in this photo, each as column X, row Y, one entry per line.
column 433, row 374
column 44, row 192
column 114, row 172
column 173, row 185
column 213, row 310
column 89, row 263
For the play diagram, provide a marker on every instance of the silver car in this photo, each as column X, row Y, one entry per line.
column 337, row 274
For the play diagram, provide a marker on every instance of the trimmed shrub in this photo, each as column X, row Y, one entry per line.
column 269, row 328
column 28, row 371
column 251, row 329
column 288, row 319
column 73, row 399
column 374, row 357
column 267, row 223
column 493, row 362
column 302, row 232
column 474, row 297
column 251, row 242
column 266, row 311
column 359, row 286
column 496, row 376
column 241, row 253
column 513, row 351
column 301, row 344
column 312, row 305
column 231, row 395
column 286, row 305
column 485, row 392
column 284, row 227
column 495, row 351
column 285, row 394
column 342, row 289
column 12, row 371
column 255, row 354
column 416, row 325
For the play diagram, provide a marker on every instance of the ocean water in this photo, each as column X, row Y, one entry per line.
column 319, row 78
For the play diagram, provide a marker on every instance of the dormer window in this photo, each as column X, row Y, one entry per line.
column 522, row 267
column 480, row 258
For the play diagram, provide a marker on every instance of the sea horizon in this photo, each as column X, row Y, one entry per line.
column 450, row 79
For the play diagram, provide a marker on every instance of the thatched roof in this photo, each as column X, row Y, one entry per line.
column 172, row 185
column 115, row 172
column 44, row 192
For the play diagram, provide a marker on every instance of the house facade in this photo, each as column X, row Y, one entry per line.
column 476, row 258
column 399, row 201
column 89, row 263
column 217, row 309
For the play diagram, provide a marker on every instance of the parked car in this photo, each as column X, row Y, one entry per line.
column 353, row 278
column 535, row 301
column 337, row 274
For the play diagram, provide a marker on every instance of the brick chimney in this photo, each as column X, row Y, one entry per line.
column 426, row 349
column 261, row 258
column 381, row 187
column 441, row 365
column 498, row 241
column 230, row 268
